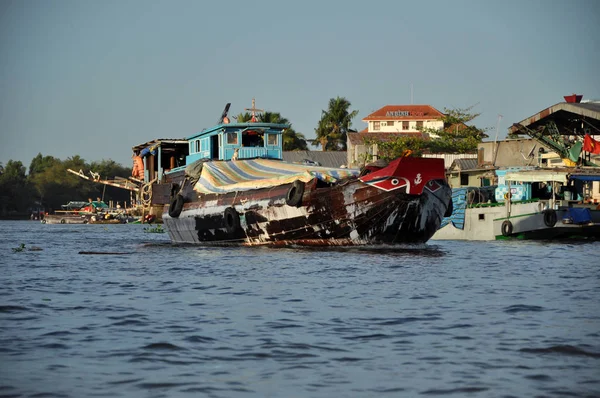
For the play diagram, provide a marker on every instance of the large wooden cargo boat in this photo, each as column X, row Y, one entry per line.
column 234, row 189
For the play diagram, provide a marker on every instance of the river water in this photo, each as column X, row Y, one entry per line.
column 482, row 319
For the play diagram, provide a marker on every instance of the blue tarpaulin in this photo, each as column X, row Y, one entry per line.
column 583, row 177
column 579, row 215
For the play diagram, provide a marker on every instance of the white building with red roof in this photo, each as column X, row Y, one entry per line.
column 403, row 119
column 388, row 123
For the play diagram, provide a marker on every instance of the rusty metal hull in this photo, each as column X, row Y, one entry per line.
column 347, row 214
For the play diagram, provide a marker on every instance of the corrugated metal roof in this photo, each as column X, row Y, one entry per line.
column 324, row 158
column 176, row 141
column 562, row 113
column 465, row 164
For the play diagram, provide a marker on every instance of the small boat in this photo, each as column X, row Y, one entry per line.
column 236, row 190
column 533, row 203
column 65, row 218
column 93, row 212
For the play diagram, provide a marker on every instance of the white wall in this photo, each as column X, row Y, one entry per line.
column 397, row 126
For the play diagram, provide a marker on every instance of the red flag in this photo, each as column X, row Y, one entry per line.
column 591, row 145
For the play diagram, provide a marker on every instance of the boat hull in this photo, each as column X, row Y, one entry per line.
column 527, row 220
column 85, row 219
column 349, row 214
column 65, row 219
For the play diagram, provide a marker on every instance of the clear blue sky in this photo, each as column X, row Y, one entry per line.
column 94, row 78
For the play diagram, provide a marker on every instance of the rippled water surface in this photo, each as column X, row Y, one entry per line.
column 497, row 319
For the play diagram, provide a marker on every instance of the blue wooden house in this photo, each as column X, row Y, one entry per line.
column 249, row 140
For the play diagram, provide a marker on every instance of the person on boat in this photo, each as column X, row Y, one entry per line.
column 138, row 166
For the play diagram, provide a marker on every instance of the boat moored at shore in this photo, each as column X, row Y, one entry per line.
column 534, row 203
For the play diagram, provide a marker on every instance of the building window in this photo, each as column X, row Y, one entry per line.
column 390, row 123
column 419, row 125
column 253, row 138
column 376, row 126
column 272, row 139
column 197, row 146
column 464, row 179
column 405, row 125
column 481, row 216
column 232, row 138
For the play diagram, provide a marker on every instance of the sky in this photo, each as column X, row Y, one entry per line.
column 95, row 78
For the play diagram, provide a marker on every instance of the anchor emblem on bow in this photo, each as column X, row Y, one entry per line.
column 418, row 179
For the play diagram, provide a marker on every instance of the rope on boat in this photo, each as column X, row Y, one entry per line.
column 146, row 194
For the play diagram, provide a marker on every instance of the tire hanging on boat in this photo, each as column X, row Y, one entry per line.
column 176, row 206
column 507, row 228
column 294, row 194
column 62, row 221
column 550, row 217
column 232, row 220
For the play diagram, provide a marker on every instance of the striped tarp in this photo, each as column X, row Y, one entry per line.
column 459, row 203
column 244, row 175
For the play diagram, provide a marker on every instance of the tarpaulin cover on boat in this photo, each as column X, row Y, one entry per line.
column 245, row 175
column 579, row 215
column 459, row 203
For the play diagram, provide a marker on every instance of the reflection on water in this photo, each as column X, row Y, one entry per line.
column 447, row 318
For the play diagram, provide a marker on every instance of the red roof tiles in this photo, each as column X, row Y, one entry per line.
column 405, row 112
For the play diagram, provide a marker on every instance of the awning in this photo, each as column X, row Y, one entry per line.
column 584, row 177
column 546, row 176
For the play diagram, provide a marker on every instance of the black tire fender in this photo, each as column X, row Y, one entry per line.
column 550, row 217
column 507, row 228
column 63, row 221
column 294, row 194
column 176, row 206
column 231, row 219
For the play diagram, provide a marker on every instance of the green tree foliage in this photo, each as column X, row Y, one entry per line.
column 40, row 163
column 455, row 137
column 399, row 146
column 243, row 117
column 335, row 122
column 15, row 192
column 53, row 185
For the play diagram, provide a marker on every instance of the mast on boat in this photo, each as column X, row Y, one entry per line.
column 253, row 111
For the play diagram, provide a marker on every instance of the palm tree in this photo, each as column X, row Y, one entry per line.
column 334, row 124
column 272, row 117
column 243, row 117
